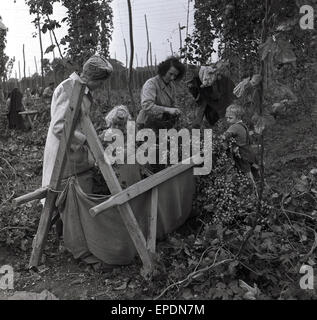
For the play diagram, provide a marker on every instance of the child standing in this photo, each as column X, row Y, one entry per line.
column 243, row 156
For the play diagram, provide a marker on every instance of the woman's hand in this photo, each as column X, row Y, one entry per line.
column 174, row 111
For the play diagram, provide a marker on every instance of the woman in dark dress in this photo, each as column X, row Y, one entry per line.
column 15, row 106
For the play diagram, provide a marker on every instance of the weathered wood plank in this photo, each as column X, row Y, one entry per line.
column 71, row 118
column 152, row 223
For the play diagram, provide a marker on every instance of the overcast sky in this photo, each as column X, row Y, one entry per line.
column 163, row 17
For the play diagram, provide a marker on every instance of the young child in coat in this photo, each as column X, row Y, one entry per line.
column 243, row 156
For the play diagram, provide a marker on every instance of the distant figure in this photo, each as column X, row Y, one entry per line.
column 48, row 94
column 14, row 106
column 27, row 99
column 40, row 91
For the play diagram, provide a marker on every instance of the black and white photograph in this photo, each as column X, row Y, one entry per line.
column 158, row 155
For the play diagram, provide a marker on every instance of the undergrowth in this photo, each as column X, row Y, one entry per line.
column 229, row 250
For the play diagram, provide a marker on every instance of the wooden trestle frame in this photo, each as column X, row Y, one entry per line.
column 119, row 198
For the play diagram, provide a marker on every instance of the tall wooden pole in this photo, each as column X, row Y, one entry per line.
column 187, row 18
column 148, row 43
column 187, row 22
column 19, row 69
column 151, row 59
column 131, row 59
column 126, row 53
column 36, row 70
column 24, row 74
column 41, row 47
column 16, row 79
column 35, row 65
column 180, row 37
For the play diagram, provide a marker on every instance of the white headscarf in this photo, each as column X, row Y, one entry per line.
column 97, row 68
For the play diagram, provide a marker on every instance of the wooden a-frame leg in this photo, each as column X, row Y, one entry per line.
column 152, row 222
column 43, row 228
column 115, row 187
column 71, row 118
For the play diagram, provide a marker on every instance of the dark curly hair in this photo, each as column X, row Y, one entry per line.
column 165, row 65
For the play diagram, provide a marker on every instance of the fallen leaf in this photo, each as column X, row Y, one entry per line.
column 253, row 292
column 122, row 287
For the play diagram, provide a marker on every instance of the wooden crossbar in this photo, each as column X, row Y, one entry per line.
column 37, row 194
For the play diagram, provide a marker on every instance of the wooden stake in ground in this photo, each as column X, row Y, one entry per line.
column 41, row 47
column 126, row 53
column 24, row 74
column 187, row 22
column 19, row 70
column 36, row 70
column 148, row 43
column 35, row 65
column 133, row 113
column 151, row 59
column 180, row 37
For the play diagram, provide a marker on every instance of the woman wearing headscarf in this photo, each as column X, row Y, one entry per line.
column 158, row 96
column 14, row 106
column 95, row 71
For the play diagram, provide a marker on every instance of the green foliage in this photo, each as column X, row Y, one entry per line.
column 238, row 29
column 89, row 26
column 3, row 57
